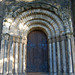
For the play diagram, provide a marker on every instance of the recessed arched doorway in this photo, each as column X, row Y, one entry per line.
column 37, row 52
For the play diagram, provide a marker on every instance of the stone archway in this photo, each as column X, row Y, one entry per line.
column 14, row 40
column 47, row 33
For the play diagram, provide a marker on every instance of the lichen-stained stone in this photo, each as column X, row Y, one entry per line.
column 53, row 17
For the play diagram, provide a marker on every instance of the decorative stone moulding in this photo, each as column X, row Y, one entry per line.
column 21, row 16
column 21, row 19
column 19, row 10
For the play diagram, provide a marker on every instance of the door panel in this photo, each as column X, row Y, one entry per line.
column 37, row 52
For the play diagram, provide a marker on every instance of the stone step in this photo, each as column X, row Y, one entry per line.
column 37, row 74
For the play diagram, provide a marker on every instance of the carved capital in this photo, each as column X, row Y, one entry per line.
column 62, row 38
column 16, row 39
column 11, row 38
column 53, row 39
column 24, row 39
column 5, row 36
column 57, row 38
column 68, row 36
column 49, row 40
column 20, row 39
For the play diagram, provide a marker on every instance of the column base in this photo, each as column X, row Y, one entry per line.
column 62, row 74
column 21, row 73
column 48, row 74
column 9, row 74
column 53, row 74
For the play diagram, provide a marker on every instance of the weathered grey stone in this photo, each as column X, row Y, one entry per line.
column 55, row 19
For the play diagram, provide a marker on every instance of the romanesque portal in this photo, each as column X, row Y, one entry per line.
column 19, row 54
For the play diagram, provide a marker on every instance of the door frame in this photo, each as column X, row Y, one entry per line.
column 42, row 35
column 48, row 40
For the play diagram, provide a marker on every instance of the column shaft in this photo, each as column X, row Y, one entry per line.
column 24, row 58
column 5, row 56
column 63, row 56
column 70, row 55
column 58, row 55
column 73, row 52
column 20, row 58
column 54, row 58
column 16, row 57
column 11, row 55
column 1, row 55
column 50, row 57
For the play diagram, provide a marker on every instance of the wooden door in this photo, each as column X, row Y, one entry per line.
column 37, row 52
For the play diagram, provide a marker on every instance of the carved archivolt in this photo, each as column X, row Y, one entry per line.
column 21, row 17
column 20, row 20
